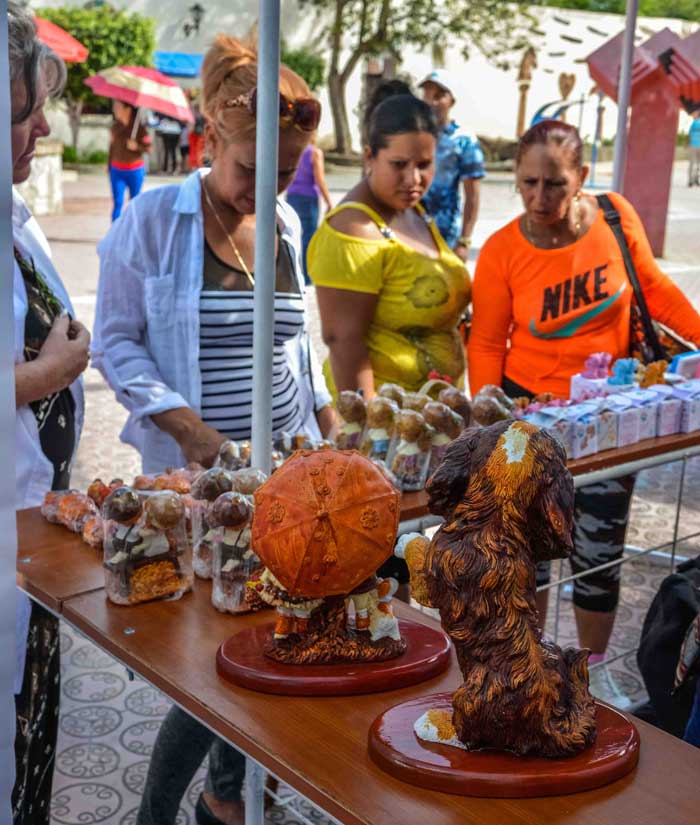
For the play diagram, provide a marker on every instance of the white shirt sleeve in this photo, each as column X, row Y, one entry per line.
column 119, row 351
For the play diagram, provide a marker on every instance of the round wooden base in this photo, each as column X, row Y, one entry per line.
column 241, row 659
column 396, row 749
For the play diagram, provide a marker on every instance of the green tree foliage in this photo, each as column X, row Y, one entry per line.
column 307, row 64
column 361, row 28
column 112, row 37
column 685, row 9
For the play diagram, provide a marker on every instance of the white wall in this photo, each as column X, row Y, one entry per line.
column 487, row 98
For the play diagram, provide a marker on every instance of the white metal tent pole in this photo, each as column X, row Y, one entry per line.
column 623, row 95
column 267, row 145
column 8, row 529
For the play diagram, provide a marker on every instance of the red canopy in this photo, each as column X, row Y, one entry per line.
column 58, row 39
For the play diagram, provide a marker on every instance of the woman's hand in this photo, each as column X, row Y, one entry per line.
column 65, row 353
column 63, row 356
column 327, row 422
column 202, row 445
column 132, row 145
column 198, row 441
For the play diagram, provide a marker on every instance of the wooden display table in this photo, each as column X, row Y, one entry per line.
column 319, row 745
column 54, row 564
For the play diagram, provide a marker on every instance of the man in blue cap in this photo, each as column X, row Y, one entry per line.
column 459, row 163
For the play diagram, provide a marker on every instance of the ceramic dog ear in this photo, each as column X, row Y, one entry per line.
column 551, row 518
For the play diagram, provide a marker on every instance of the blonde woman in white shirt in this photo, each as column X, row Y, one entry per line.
column 51, row 352
column 174, row 339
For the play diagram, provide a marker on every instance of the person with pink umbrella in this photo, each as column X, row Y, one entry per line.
column 133, row 88
column 127, row 169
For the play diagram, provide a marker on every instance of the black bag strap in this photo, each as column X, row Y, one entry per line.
column 612, row 218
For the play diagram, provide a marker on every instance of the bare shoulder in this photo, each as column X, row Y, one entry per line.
column 355, row 222
column 590, row 207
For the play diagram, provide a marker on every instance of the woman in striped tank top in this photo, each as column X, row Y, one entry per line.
column 174, row 322
column 174, row 338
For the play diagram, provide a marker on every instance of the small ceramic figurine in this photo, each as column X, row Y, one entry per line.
column 371, row 601
column 410, row 459
column 597, row 365
column 381, row 421
column 230, row 457
column 68, row 508
column 456, row 400
column 654, row 374
column 393, row 392
column 93, row 531
column 206, row 490
column 49, row 506
column 293, row 613
column 507, row 500
column 98, row 490
column 491, row 404
column 353, row 414
column 146, row 552
column 447, row 425
column 245, row 451
column 247, row 480
column 321, row 527
column 415, row 401
column 234, row 561
column 623, row 372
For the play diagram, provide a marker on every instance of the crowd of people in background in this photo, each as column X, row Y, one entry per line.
column 388, row 262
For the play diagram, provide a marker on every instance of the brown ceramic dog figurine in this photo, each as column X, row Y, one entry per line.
column 507, row 499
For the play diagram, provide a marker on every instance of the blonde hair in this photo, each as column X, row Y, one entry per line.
column 230, row 69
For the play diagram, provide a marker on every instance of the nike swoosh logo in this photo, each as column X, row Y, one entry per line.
column 572, row 327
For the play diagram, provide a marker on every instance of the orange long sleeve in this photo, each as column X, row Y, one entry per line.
column 539, row 313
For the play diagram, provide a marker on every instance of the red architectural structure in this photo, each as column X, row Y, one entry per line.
column 665, row 78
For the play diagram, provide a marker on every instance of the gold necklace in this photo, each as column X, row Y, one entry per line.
column 553, row 241
column 238, row 255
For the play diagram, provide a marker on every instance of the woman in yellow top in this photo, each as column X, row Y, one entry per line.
column 390, row 291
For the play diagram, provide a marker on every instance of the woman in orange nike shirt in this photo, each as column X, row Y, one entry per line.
column 550, row 288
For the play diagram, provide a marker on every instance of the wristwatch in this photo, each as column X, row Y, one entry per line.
column 463, row 241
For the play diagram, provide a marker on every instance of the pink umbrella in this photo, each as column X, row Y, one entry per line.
column 143, row 88
column 58, row 39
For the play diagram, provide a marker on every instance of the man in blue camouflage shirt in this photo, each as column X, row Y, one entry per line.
column 458, row 159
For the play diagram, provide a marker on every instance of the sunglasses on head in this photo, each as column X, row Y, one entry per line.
column 304, row 113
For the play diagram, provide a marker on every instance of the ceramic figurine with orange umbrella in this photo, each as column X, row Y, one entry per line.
column 523, row 722
column 323, row 523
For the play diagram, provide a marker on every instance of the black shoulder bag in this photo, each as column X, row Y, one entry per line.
column 649, row 339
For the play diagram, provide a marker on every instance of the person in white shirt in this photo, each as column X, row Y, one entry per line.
column 51, row 352
column 174, row 339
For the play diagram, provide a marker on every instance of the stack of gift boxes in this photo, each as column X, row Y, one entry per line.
column 607, row 412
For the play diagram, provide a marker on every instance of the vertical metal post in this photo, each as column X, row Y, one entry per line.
column 254, row 792
column 582, row 103
column 623, row 95
column 8, row 530
column 597, row 138
column 681, row 485
column 267, row 147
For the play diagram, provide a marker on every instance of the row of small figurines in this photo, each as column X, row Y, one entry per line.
column 153, row 540
column 406, row 432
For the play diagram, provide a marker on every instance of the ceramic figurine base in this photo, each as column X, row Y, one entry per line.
column 397, row 750
column 241, row 659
